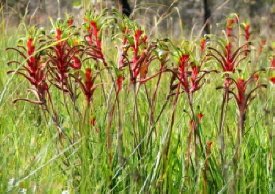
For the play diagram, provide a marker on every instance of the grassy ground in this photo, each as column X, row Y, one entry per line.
column 34, row 158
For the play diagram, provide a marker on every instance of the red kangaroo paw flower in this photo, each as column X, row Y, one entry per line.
column 243, row 95
column 62, row 59
column 272, row 68
column 75, row 63
column 203, row 44
column 209, row 143
column 93, row 121
column 30, row 46
column 93, row 41
column 229, row 26
column 141, row 57
column 247, row 32
column 228, row 59
column 262, row 45
column 58, row 34
column 119, row 82
column 34, row 71
column 182, row 72
column 272, row 63
column 200, row 116
column 195, row 70
column 256, row 77
column 137, row 36
column 189, row 75
column 87, row 84
column 70, row 21
column 241, row 88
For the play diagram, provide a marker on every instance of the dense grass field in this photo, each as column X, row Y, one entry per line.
column 105, row 108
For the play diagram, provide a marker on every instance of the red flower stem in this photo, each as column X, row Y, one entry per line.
column 103, row 88
column 238, row 171
column 56, row 121
column 108, row 133
column 221, row 129
column 195, row 129
column 157, row 119
column 153, row 101
column 152, row 110
column 169, row 134
column 196, row 134
column 64, row 99
column 119, row 134
column 136, row 119
column 60, row 132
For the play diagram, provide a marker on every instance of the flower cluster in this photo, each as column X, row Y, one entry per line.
column 189, row 75
column 33, row 70
column 93, row 38
column 63, row 57
column 137, row 54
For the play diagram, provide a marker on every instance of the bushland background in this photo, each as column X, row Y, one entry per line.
column 168, row 17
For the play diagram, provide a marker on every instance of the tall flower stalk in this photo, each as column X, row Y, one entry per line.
column 137, row 54
column 190, row 80
column 243, row 92
column 229, row 58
